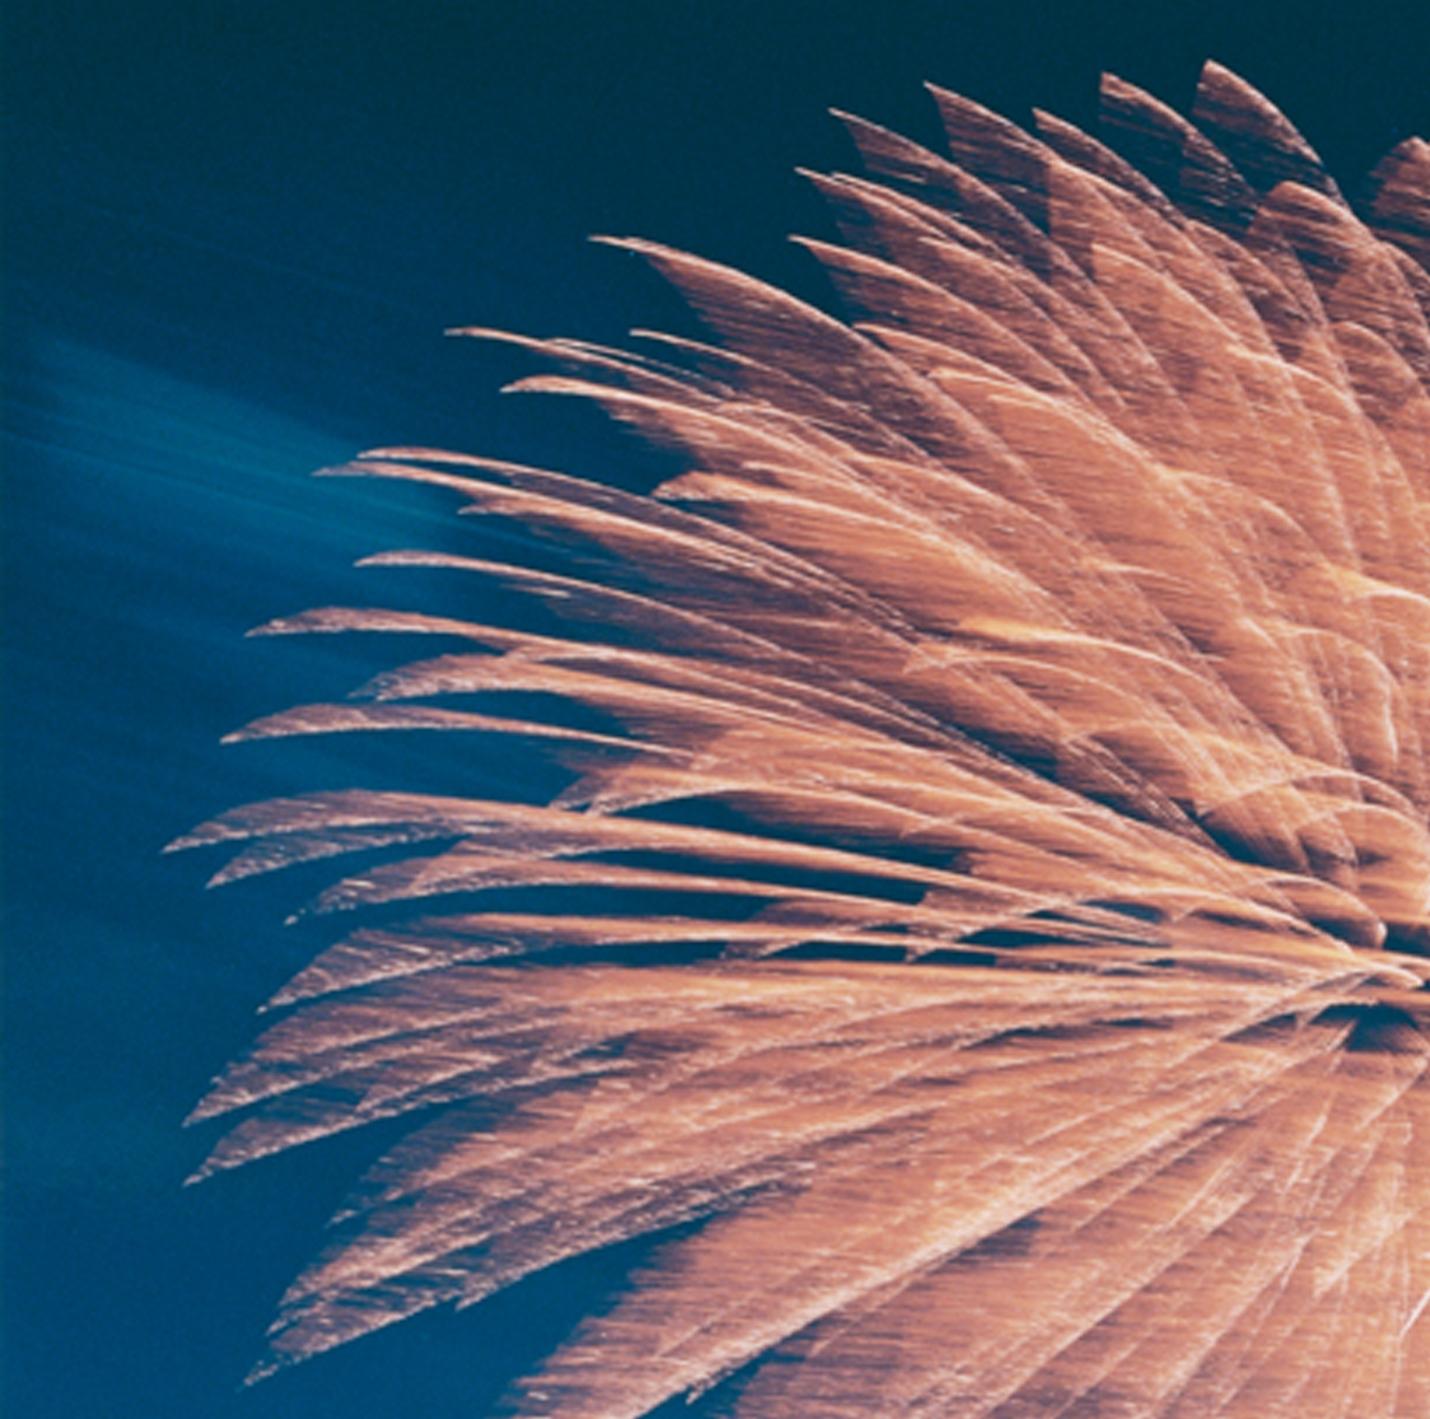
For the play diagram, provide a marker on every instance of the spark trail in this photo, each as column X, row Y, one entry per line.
column 1035, row 1017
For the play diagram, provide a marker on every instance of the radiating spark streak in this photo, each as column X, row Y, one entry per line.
column 1024, row 691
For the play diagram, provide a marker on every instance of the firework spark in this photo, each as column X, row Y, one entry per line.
column 1035, row 1015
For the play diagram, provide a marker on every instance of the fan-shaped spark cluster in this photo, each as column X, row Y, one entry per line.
column 1035, row 1015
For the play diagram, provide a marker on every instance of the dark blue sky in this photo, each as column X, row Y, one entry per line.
column 234, row 233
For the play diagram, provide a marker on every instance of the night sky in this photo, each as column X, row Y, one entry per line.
column 234, row 234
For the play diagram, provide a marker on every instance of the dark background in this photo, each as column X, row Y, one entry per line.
column 233, row 235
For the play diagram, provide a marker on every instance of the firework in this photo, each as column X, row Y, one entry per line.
column 1013, row 738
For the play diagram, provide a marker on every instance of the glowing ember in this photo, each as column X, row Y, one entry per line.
column 1035, row 1010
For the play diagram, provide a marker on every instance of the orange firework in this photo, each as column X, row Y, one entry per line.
column 1029, row 1016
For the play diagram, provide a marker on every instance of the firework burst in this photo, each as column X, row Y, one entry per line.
column 1029, row 1016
